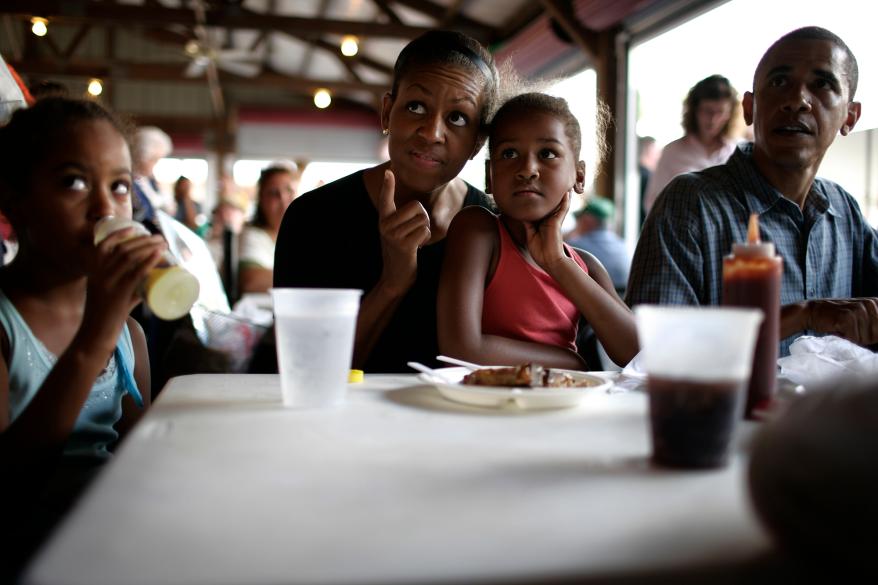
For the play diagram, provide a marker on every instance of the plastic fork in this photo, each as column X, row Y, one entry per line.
column 457, row 362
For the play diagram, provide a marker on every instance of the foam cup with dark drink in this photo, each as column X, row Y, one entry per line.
column 698, row 362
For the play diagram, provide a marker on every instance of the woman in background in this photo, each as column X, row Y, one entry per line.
column 711, row 115
column 277, row 187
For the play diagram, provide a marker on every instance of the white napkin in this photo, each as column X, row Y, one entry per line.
column 819, row 359
column 632, row 376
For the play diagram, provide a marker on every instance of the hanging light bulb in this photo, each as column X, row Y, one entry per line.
column 39, row 26
column 191, row 47
column 95, row 87
column 349, row 45
column 322, row 98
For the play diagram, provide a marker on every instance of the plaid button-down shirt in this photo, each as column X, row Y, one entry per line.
column 828, row 249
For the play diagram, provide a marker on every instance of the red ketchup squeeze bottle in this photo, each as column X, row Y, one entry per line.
column 751, row 278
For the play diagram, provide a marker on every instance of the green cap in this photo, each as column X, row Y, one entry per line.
column 600, row 207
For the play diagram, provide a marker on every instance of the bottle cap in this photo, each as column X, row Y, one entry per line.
column 755, row 247
column 110, row 223
column 170, row 292
column 355, row 376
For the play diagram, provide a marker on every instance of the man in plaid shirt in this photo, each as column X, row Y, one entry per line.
column 802, row 98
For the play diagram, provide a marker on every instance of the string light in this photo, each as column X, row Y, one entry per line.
column 349, row 45
column 95, row 87
column 322, row 98
column 39, row 26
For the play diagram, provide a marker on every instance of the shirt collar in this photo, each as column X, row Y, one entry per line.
column 760, row 194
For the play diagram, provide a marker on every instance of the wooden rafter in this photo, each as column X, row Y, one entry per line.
column 308, row 55
column 16, row 48
column 479, row 30
column 49, row 41
column 359, row 59
column 350, row 68
column 143, row 71
column 258, row 41
column 451, row 12
column 76, row 41
column 526, row 15
column 82, row 11
column 385, row 8
column 585, row 39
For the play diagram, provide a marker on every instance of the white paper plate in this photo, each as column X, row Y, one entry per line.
column 447, row 381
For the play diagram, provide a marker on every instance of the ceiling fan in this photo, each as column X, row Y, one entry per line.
column 236, row 61
column 207, row 58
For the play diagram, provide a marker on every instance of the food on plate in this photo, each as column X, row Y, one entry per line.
column 522, row 376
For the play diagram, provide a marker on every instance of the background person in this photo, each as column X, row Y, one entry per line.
column 592, row 233
column 802, row 98
column 276, row 188
column 151, row 144
column 393, row 218
column 710, row 118
column 188, row 210
column 648, row 154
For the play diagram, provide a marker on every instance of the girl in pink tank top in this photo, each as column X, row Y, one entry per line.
column 511, row 291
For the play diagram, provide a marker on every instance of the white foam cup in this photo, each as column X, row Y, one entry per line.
column 697, row 343
column 314, row 328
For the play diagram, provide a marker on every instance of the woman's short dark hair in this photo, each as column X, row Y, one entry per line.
column 449, row 48
column 32, row 133
column 713, row 88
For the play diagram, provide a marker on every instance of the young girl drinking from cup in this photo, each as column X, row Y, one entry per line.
column 69, row 348
column 511, row 291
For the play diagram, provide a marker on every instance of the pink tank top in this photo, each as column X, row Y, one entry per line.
column 524, row 302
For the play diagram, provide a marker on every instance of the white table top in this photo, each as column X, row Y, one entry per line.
column 221, row 484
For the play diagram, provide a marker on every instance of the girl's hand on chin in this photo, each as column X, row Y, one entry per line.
column 544, row 240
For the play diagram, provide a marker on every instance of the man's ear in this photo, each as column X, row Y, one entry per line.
column 488, row 187
column 747, row 106
column 579, row 185
column 386, row 106
column 854, row 111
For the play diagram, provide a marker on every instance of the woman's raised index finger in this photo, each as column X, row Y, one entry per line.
column 386, row 201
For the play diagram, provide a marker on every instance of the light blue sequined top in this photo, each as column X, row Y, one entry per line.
column 29, row 364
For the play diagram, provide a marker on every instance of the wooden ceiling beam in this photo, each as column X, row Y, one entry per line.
column 174, row 73
column 359, row 59
column 15, row 47
column 76, row 41
column 385, row 8
column 308, row 54
column 438, row 12
column 82, row 11
column 585, row 39
column 451, row 12
column 515, row 23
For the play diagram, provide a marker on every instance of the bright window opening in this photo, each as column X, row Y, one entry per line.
column 729, row 41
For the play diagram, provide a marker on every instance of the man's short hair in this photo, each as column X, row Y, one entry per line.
column 816, row 33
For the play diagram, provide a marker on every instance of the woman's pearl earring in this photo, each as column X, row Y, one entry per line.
column 385, row 131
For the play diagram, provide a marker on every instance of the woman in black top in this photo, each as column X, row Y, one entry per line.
column 382, row 230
